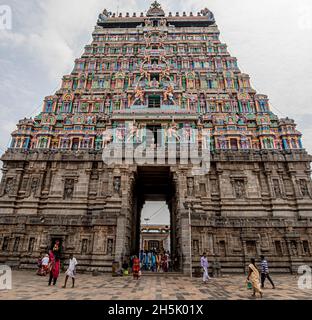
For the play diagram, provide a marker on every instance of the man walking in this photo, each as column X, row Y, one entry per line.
column 204, row 265
column 265, row 273
column 71, row 271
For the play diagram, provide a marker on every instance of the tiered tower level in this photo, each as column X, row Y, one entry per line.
column 156, row 71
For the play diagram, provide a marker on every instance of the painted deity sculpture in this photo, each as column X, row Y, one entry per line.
column 168, row 94
column 139, row 96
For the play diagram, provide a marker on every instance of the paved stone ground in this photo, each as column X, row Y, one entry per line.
column 29, row 286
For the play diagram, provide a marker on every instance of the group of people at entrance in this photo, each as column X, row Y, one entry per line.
column 155, row 261
column 253, row 280
column 147, row 261
column 50, row 265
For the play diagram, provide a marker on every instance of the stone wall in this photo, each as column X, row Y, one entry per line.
column 250, row 203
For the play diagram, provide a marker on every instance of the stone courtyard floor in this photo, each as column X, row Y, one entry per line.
column 28, row 286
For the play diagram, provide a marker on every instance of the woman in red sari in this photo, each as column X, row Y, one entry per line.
column 54, row 265
column 136, row 268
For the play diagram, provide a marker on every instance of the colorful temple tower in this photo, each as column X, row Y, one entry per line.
column 157, row 73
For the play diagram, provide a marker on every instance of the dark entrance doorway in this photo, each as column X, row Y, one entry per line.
column 153, row 135
column 155, row 184
column 154, row 101
column 234, row 144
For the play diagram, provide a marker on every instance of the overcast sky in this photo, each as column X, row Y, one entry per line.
column 270, row 38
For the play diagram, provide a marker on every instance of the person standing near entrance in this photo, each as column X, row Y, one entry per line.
column 204, row 264
column 165, row 262
column 149, row 265
column 265, row 273
column 158, row 260
column 141, row 256
column 136, row 268
column 154, row 269
column 55, row 263
column 54, row 266
column 71, row 271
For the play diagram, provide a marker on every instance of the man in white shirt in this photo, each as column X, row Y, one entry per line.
column 71, row 271
column 45, row 260
column 204, row 264
column 44, row 267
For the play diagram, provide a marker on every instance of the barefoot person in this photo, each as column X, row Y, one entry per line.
column 254, row 278
column 204, row 265
column 71, row 271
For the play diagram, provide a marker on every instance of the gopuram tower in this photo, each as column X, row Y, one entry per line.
column 170, row 76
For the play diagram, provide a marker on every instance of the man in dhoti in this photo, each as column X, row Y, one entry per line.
column 71, row 271
column 204, row 265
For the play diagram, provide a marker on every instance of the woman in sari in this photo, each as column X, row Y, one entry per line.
column 158, row 261
column 153, row 261
column 165, row 262
column 254, row 278
column 54, row 266
column 136, row 267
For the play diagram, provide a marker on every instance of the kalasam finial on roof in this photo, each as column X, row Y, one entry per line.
column 155, row 10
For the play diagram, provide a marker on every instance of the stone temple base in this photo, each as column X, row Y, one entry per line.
column 249, row 204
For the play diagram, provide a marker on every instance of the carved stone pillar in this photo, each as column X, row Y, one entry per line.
column 245, row 255
column 185, row 242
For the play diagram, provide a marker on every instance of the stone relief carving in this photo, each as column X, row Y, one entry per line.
column 84, row 246
column 277, row 188
column 239, row 189
column 110, row 244
column 304, row 188
column 9, row 186
column 190, row 187
column 69, row 188
column 117, row 184
column 264, row 241
column 294, row 251
column 34, row 186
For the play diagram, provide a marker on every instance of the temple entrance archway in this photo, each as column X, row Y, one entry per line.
column 154, row 188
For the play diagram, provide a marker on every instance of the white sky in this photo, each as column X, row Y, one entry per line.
column 271, row 39
column 157, row 212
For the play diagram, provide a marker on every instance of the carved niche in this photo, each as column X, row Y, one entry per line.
column 239, row 188
column 69, row 188
column 293, row 248
column 277, row 188
column 190, row 187
column 202, row 189
column 214, row 186
column 304, row 187
column 84, row 246
column 117, row 185
column 110, row 247
column 24, row 183
column 34, row 186
column 9, row 186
